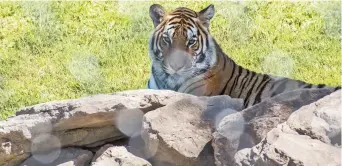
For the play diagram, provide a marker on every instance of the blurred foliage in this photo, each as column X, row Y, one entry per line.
column 52, row 50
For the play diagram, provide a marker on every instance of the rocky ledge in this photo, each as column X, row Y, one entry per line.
column 150, row 127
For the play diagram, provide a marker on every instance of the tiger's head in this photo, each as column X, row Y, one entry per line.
column 181, row 46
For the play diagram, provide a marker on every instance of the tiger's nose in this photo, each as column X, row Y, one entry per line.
column 177, row 65
column 179, row 59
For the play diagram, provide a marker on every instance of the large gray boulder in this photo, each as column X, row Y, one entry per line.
column 265, row 116
column 248, row 127
column 226, row 139
column 306, row 138
column 180, row 133
column 321, row 120
column 89, row 121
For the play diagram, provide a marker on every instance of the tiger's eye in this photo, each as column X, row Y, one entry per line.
column 191, row 42
column 195, row 45
column 166, row 39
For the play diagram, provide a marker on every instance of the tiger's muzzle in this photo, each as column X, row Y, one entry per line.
column 177, row 62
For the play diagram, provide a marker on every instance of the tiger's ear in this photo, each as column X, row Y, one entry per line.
column 157, row 13
column 206, row 14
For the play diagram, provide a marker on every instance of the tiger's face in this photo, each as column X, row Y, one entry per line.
column 180, row 46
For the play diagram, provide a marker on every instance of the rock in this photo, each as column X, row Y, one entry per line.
column 88, row 121
column 320, row 120
column 121, row 142
column 297, row 141
column 227, row 138
column 175, row 133
column 170, row 128
column 16, row 160
column 281, row 148
column 242, row 157
column 117, row 155
column 63, row 157
column 265, row 116
column 218, row 107
column 179, row 133
column 248, row 127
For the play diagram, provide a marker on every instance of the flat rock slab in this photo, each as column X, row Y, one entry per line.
column 88, row 121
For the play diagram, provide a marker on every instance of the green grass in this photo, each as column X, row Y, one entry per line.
column 60, row 50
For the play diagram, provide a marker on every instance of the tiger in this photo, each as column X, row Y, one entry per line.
column 186, row 58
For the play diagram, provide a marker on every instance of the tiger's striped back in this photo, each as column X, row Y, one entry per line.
column 202, row 68
column 228, row 78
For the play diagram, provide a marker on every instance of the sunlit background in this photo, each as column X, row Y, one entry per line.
column 57, row 50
